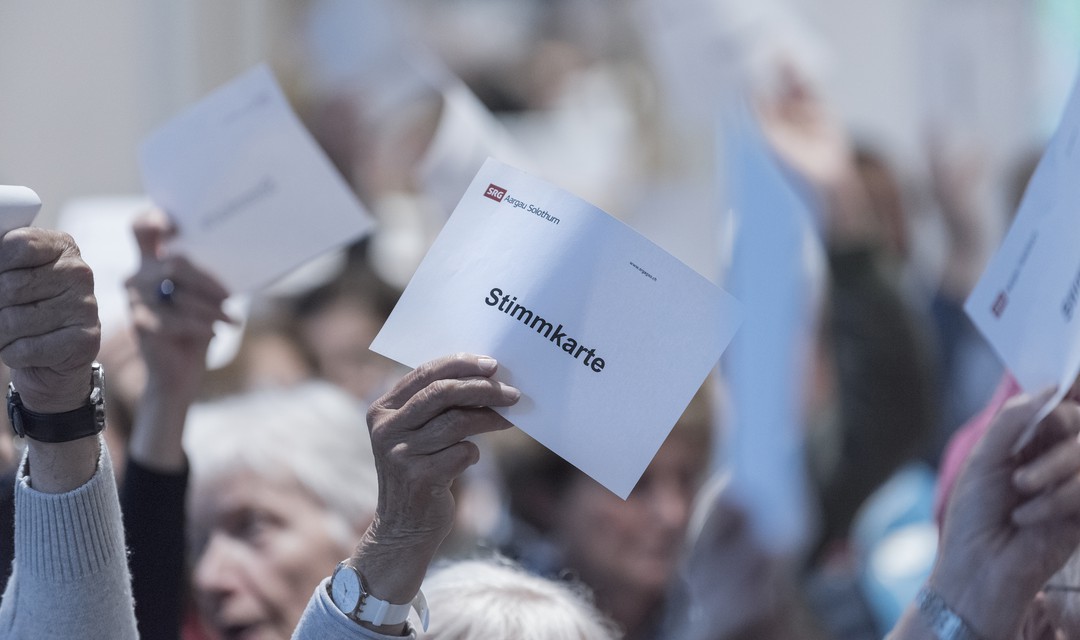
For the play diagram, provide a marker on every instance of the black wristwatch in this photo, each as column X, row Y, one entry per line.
column 85, row 421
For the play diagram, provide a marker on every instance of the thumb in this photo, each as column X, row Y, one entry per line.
column 1012, row 422
column 151, row 230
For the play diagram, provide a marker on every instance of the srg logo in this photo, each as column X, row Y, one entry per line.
column 494, row 192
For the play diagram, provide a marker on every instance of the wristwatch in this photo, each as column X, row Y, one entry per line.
column 943, row 620
column 349, row 594
column 87, row 420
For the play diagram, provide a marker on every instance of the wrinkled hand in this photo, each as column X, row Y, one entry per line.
column 49, row 329
column 418, row 435
column 1013, row 520
column 175, row 334
column 418, row 432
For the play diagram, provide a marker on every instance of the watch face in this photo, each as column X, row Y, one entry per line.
column 345, row 589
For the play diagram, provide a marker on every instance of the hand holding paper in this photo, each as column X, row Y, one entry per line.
column 606, row 335
column 1026, row 302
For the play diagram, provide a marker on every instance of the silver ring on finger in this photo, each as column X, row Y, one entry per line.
column 165, row 290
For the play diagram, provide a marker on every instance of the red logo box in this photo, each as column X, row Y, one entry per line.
column 495, row 192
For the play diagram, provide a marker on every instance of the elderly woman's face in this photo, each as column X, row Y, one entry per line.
column 261, row 546
column 633, row 544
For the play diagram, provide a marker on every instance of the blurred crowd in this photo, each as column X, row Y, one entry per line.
column 241, row 488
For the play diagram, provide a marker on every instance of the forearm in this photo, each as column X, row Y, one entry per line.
column 158, row 433
column 394, row 562
column 991, row 608
column 63, row 466
column 153, row 504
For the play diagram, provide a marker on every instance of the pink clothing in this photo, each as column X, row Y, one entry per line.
column 965, row 439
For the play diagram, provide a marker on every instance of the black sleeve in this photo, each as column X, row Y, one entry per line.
column 7, row 527
column 885, row 383
column 154, row 512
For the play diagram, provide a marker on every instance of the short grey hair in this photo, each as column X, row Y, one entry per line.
column 313, row 431
column 492, row 598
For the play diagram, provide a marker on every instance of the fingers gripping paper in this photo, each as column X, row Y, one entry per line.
column 607, row 336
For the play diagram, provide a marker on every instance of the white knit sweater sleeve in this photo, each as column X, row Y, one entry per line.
column 70, row 576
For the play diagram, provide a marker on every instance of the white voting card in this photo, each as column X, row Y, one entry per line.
column 18, row 207
column 607, row 336
column 1027, row 301
column 766, row 365
column 251, row 192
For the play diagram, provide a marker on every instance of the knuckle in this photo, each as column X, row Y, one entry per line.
column 434, row 391
column 466, row 454
column 88, row 309
column 81, row 274
column 92, row 334
column 425, row 371
column 374, row 417
column 446, row 424
column 67, row 243
column 397, row 452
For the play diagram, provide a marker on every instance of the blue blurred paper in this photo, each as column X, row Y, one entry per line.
column 766, row 363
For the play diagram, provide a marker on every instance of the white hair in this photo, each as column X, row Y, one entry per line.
column 484, row 599
column 313, row 431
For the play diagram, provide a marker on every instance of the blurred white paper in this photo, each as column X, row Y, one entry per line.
column 18, row 207
column 1026, row 302
column 767, row 362
column 607, row 336
column 252, row 194
column 102, row 228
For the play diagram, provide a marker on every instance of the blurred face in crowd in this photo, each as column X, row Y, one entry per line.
column 634, row 544
column 338, row 339
column 261, row 546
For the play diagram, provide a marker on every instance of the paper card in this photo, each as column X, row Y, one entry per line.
column 18, row 207
column 1027, row 302
column 252, row 194
column 102, row 227
column 775, row 242
column 607, row 336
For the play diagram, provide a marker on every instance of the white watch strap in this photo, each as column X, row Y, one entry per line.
column 943, row 620
column 379, row 612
